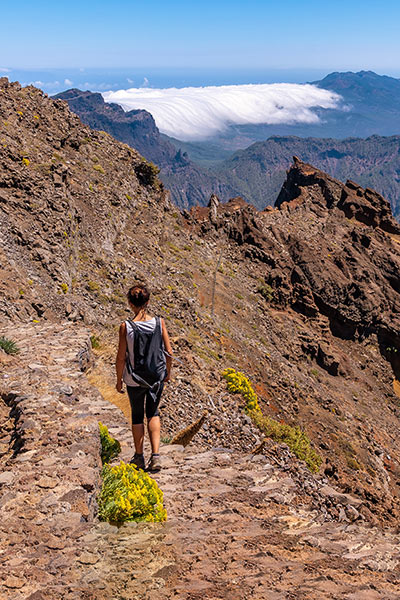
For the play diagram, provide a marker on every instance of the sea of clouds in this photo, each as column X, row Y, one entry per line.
column 195, row 113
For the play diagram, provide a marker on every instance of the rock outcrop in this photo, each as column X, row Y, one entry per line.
column 258, row 172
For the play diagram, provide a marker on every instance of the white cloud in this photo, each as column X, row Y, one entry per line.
column 68, row 82
column 5, row 70
column 199, row 112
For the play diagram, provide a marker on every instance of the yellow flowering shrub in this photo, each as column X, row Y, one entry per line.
column 297, row 440
column 110, row 447
column 130, row 494
column 238, row 383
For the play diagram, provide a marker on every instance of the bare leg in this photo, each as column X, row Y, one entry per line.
column 154, row 426
column 138, row 437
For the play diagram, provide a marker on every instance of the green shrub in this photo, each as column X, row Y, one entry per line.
column 99, row 168
column 64, row 288
column 92, row 286
column 266, row 291
column 352, row 463
column 147, row 173
column 8, row 346
column 294, row 437
column 129, row 494
column 110, row 448
column 94, row 341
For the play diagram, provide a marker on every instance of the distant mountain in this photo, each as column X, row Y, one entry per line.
column 188, row 183
column 258, row 172
column 364, row 89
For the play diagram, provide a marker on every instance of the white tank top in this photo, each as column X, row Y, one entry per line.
column 147, row 327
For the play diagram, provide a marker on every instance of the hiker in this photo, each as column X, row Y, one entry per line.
column 144, row 364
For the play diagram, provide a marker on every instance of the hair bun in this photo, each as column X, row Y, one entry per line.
column 138, row 295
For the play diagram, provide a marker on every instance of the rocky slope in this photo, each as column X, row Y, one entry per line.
column 258, row 172
column 306, row 297
column 187, row 182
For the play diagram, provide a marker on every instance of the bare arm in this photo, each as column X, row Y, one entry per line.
column 167, row 346
column 120, row 361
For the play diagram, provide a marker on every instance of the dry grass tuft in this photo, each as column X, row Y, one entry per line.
column 106, row 386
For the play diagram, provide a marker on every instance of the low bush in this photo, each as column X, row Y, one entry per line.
column 238, row 383
column 129, row 494
column 266, row 291
column 147, row 173
column 8, row 346
column 297, row 440
column 110, row 448
column 94, row 341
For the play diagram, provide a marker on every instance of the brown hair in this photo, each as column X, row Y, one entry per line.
column 138, row 295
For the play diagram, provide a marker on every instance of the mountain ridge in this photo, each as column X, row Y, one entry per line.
column 258, row 172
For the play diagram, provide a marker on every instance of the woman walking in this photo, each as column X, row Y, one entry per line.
column 144, row 364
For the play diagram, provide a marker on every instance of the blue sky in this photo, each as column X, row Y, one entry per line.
column 212, row 34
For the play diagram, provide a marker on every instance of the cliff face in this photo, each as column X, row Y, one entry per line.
column 188, row 183
column 305, row 301
column 136, row 128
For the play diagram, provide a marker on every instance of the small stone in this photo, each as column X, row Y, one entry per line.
column 34, row 366
column 47, row 482
column 55, row 543
column 37, row 596
column 106, row 528
column 88, row 559
column 7, row 477
column 14, row 582
column 66, row 389
column 26, row 456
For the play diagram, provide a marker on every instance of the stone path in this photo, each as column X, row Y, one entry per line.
column 239, row 526
column 236, row 530
column 50, row 462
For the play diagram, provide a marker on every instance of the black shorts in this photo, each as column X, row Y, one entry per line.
column 139, row 397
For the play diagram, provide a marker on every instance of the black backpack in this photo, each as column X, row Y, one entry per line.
column 149, row 368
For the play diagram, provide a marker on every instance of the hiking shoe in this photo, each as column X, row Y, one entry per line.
column 138, row 461
column 154, row 463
